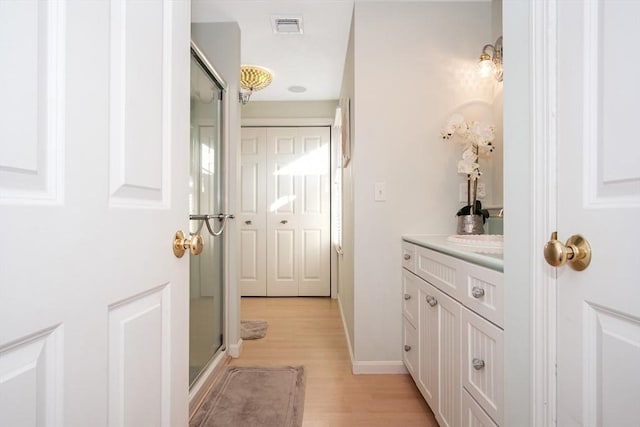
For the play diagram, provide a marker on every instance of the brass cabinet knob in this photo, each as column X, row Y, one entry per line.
column 576, row 252
column 284, row 221
column 248, row 222
column 180, row 244
column 407, row 347
column 407, row 257
column 407, row 297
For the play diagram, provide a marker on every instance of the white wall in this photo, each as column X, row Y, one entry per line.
column 346, row 260
column 415, row 64
column 289, row 109
column 220, row 42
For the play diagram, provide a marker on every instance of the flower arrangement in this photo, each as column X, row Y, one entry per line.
column 477, row 139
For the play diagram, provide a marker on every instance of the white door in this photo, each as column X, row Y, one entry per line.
column 284, row 216
column 252, row 274
column 93, row 185
column 598, row 315
column 298, row 218
column 283, row 204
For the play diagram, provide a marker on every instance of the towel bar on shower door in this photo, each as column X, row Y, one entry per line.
column 205, row 219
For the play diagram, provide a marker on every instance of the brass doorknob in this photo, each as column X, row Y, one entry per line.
column 577, row 252
column 181, row 244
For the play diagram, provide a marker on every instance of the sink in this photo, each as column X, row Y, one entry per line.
column 491, row 242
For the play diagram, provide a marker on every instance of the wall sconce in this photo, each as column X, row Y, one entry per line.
column 490, row 61
column 252, row 78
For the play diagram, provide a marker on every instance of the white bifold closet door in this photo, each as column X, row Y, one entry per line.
column 285, row 215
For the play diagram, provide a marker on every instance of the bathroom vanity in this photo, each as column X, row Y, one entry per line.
column 453, row 327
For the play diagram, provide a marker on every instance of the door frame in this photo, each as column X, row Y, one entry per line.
column 307, row 122
column 530, row 106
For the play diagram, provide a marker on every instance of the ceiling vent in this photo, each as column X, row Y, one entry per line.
column 286, row 24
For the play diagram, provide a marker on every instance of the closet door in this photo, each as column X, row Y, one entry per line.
column 252, row 218
column 285, row 213
column 283, row 182
column 313, row 212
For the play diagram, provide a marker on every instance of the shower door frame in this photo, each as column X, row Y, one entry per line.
column 204, row 379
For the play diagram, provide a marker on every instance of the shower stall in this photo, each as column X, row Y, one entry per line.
column 207, row 218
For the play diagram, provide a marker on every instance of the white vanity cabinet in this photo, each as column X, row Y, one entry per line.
column 453, row 331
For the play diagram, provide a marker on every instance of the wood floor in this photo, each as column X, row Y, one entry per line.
column 309, row 332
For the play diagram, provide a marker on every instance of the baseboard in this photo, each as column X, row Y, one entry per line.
column 235, row 349
column 378, row 367
column 346, row 331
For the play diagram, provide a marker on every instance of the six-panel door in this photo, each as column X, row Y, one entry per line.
column 94, row 116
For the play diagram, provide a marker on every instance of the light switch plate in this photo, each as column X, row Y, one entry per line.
column 380, row 195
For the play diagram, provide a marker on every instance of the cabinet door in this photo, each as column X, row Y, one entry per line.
column 428, row 331
column 447, row 410
column 440, row 354
column 472, row 413
column 482, row 363
column 410, row 347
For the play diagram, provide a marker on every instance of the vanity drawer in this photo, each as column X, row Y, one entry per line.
column 483, row 292
column 410, row 297
column 482, row 363
column 442, row 271
column 410, row 348
column 472, row 413
column 409, row 256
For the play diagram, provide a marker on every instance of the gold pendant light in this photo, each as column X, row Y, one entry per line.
column 253, row 78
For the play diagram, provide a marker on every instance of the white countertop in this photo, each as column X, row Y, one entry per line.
column 475, row 255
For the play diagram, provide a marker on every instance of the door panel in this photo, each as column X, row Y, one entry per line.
column 139, row 145
column 32, row 106
column 283, row 278
column 139, row 358
column 314, row 213
column 91, row 293
column 598, row 311
column 252, row 215
column 282, row 224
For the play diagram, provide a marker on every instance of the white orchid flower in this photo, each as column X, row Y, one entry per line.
column 467, row 167
column 469, row 155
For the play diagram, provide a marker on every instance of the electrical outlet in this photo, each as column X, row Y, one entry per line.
column 482, row 191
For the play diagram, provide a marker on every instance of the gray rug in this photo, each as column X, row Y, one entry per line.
column 253, row 329
column 254, row 397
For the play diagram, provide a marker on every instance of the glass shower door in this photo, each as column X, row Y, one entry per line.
column 205, row 198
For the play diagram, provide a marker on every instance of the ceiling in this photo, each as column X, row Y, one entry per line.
column 314, row 59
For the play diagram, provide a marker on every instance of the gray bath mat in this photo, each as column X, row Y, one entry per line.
column 253, row 329
column 254, row 396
